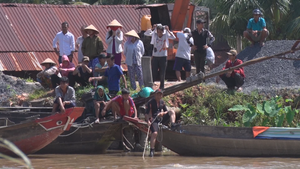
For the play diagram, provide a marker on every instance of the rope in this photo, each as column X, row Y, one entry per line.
column 146, row 140
column 78, row 126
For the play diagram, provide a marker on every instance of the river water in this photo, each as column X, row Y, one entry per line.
column 160, row 161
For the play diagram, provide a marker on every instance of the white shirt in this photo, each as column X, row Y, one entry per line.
column 118, row 42
column 66, row 43
column 160, row 44
column 184, row 49
column 131, row 49
column 79, row 42
column 210, row 55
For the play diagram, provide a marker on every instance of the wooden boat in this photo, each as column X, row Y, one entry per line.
column 86, row 138
column 195, row 140
column 82, row 138
column 32, row 135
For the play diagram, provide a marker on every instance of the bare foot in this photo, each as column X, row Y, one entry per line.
column 262, row 44
column 239, row 89
column 97, row 121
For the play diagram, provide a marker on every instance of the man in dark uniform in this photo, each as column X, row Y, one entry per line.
column 200, row 36
column 157, row 108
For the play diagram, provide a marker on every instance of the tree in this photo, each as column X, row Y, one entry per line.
column 230, row 17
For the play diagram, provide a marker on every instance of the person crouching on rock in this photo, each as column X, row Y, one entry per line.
column 121, row 105
column 44, row 77
column 82, row 73
column 156, row 111
column 64, row 96
column 65, row 69
column 100, row 100
column 256, row 29
column 236, row 77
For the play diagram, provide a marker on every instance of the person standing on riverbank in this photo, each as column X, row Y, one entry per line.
column 134, row 51
column 66, row 43
column 235, row 78
column 256, row 29
column 200, row 36
column 92, row 46
column 183, row 55
column 156, row 110
column 114, row 39
column 64, row 96
column 121, row 105
column 79, row 41
column 160, row 36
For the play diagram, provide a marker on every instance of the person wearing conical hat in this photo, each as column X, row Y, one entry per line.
column 92, row 45
column 134, row 51
column 114, row 39
column 44, row 77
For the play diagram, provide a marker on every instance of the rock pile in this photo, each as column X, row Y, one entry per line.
column 273, row 74
column 11, row 87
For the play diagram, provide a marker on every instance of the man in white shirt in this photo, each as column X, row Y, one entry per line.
column 79, row 42
column 183, row 55
column 66, row 43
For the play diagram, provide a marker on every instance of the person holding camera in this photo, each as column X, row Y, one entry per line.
column 160, row 40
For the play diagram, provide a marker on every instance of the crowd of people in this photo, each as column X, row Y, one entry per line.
column 104, row 69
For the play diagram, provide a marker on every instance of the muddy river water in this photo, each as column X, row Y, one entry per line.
column 165, row 161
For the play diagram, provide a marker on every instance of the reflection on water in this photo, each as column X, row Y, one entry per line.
column 166, row 161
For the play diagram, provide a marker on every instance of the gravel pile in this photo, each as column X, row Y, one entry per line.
column 270, row 75
column 11, row 86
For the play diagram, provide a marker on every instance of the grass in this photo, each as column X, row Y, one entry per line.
column 37, row 94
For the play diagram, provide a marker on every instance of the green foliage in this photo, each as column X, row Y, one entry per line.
column 37, row 94
column 82, row 90
column 272, row 113
column 29, row 80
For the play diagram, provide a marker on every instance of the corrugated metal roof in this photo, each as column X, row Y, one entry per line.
column 27, row 30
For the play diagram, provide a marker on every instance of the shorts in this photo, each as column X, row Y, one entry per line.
column 256, row 38
column 180, row 62
column 67, row 106
column 164, row 120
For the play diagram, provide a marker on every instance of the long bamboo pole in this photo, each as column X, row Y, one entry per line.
column 170, row 90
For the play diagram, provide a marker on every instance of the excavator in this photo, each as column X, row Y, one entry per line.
column 177, row 16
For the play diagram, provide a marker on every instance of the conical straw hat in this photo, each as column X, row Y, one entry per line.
column 48, row 60
column 91, row 27
column 114, row 23
column 132, row 33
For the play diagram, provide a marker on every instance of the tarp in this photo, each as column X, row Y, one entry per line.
column 276, row 133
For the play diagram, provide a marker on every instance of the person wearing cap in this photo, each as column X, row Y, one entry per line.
column 92, row 45
column 66, row 43
column 64, row 96
column 122, row 105
column 44, row 77
column 183, row 55
column 256, row 29
column 236, row 77
column 160, row 40
column 82, row 73
column 200, row 36
column 113, row 74
column 114, row 39
column 79, row 41
column 156, row 108
column 65, row 69
column 134, row 51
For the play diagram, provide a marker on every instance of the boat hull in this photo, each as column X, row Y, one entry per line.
column 226, row 141
column 33, row 135
column 93, row 139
